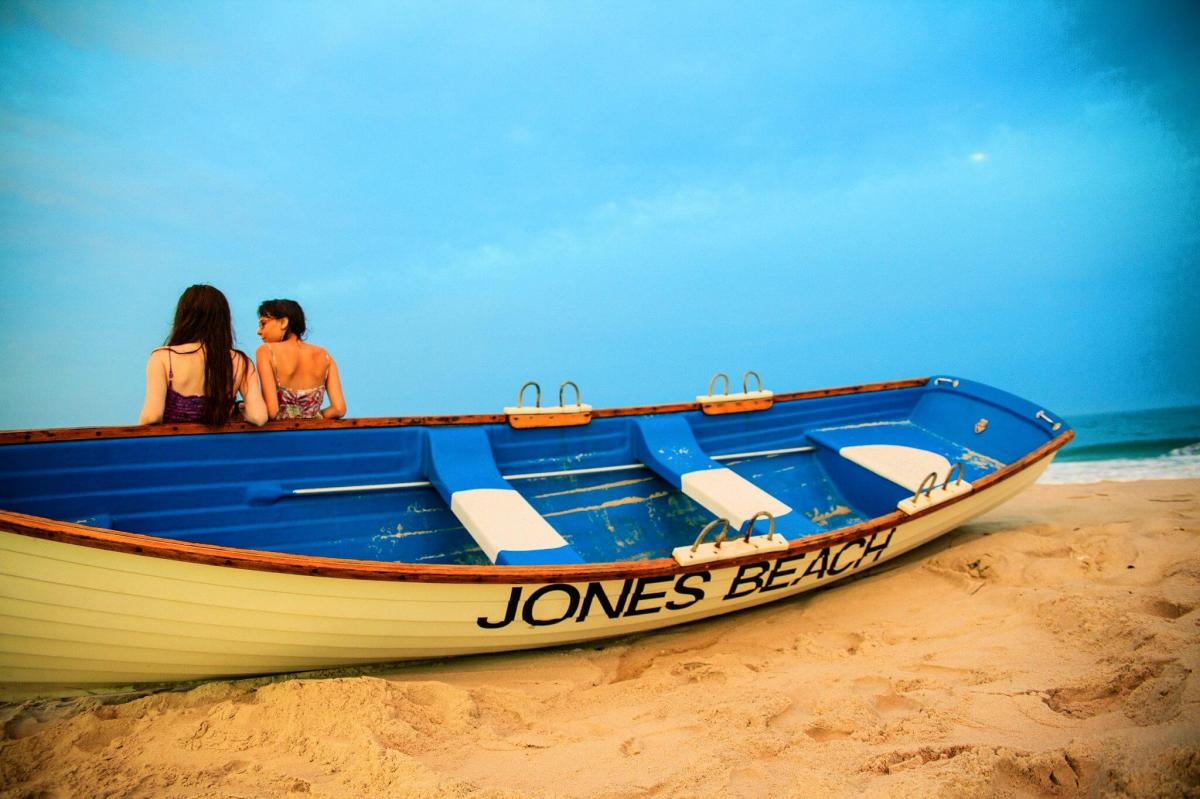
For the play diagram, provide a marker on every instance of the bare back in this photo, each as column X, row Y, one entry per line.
column 296, row 378
column 298, row 365
column 180, row 369
column 184, row 364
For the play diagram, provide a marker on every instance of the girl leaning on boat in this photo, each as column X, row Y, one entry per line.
column 191, row 379
column 296, row 375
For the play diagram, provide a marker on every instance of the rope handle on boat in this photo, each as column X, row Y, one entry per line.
column 750, row 525
column 1045, row 418
column 714, row 380
column 962, row 470
column 562, row 387
column 720, row 536
column 930, row 478
column 746, row 382
column 538, row 399
column 953, row 383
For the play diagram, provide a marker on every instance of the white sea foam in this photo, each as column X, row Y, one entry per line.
column 1168, row 467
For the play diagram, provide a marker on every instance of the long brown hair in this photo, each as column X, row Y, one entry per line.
column 202, row 315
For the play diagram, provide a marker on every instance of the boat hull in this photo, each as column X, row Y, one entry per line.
column 76, row 615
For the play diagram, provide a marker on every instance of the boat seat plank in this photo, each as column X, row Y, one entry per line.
column 902, row 452
column 667, row 445
column 506, row 527
column 904, row 466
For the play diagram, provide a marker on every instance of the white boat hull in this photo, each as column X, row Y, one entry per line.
column 75, row 615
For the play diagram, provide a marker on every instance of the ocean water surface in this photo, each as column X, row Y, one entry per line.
column 1157, row 444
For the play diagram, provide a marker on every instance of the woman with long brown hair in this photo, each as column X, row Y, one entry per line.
column 191, row 379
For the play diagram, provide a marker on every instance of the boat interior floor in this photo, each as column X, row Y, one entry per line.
column 618, row 489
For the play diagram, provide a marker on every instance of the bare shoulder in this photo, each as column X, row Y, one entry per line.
column 240, row 360
column 316, row 351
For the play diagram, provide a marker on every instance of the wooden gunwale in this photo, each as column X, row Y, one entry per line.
column 8, row 437
column 133, row 543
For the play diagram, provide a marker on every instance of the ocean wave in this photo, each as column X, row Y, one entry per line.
column 1132, row 449
column 1173, row 466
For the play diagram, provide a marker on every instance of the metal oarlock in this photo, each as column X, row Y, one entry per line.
column 716, row 541
column 757, row 400
column 562, row 387
column 770, row 525
column 721, row 375
column 724, row 548
column 538, row 396
column 924, row 497
column 931, row 479
column 523, row 415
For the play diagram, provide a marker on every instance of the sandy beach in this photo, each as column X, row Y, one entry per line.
column 1051, row 648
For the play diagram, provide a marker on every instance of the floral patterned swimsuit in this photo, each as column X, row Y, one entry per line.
column 299, row 403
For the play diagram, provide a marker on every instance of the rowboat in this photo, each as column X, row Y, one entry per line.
column 178, row 552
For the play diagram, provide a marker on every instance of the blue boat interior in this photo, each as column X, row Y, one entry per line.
column 611, row 490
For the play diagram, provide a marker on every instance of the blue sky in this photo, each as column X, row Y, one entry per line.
column 633, row 196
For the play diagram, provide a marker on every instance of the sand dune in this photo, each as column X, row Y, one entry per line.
column 1049, row 649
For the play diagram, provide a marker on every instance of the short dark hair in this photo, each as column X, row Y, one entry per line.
column 285, row 309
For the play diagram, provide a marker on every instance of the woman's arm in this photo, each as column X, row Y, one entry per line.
column 270, row 392
column 254, row 410
column 156, row 390
column 333, row 386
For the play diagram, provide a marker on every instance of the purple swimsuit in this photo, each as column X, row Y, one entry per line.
column 181, row 407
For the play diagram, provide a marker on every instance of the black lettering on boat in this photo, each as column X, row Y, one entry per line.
column 871, row 548
column 595, row 595
column 801, row 556
column 636, row 597
column 778, row 573
column 572, row 604
column 834, row 567
column 696, row 593
column 755, row 580
column 818, row 565
column 640, row 594
column 510, row 612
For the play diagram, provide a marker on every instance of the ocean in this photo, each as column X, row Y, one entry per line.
column 1158, row 444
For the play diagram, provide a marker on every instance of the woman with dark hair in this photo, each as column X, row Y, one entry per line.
column 286, row 361
column 198, row 374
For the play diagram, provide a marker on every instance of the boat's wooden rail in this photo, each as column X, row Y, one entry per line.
column 9, row 437
column 66, row 532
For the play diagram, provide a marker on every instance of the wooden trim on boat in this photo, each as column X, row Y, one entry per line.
column 8, row 437
column 206, row 554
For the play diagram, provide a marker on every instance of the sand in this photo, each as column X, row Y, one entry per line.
column 1051, row 648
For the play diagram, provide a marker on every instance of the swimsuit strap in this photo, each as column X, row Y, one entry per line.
column 239, row 363
column 171, row 366
column 275, row 371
